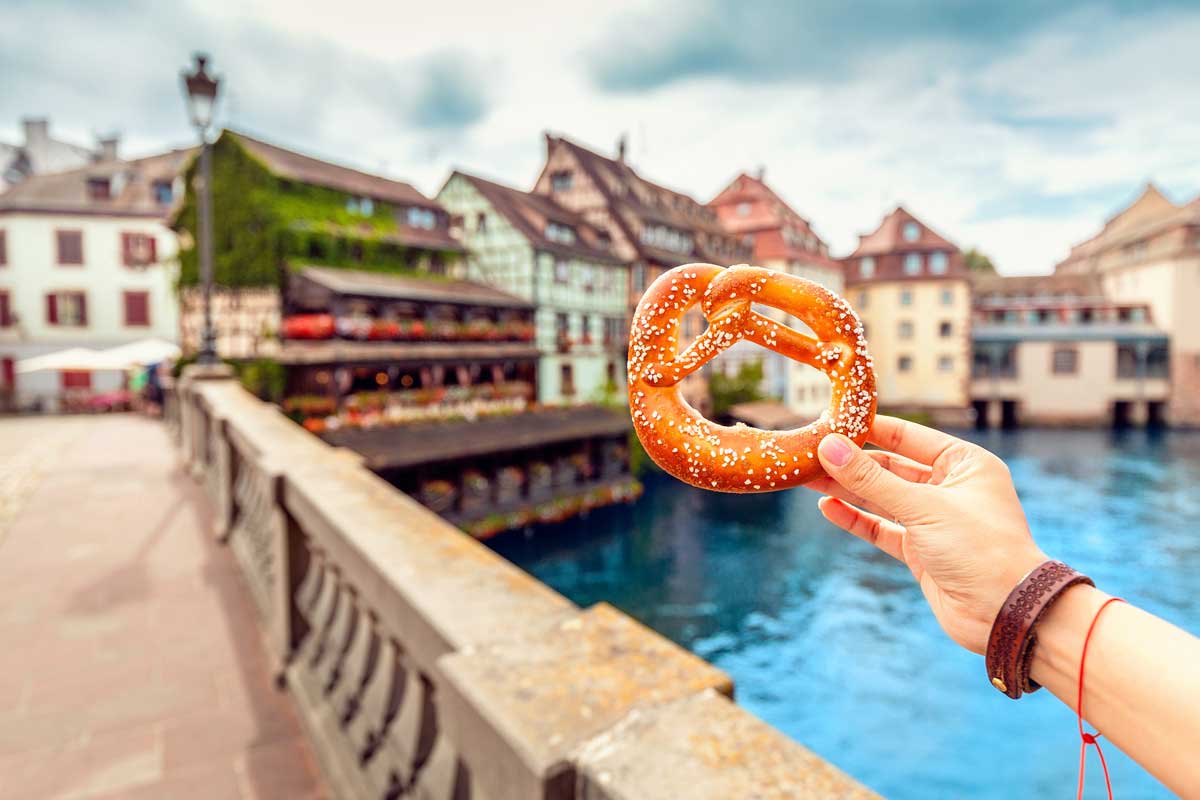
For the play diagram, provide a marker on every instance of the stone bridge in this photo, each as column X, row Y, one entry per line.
column 379, row 652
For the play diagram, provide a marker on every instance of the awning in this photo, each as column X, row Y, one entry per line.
column 767, row 415
column 146, row 351
column 74, row 358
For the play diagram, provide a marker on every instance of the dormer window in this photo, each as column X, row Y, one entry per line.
column 938, row 262
column 99, row 189
column 481, row 222
column 866, row 267
column 743, row 209
column 425, row 218
column 561, row 181
column 164, row 192
column 557, row 232
column 912, row 264
column 912, row 231
column 361, row 206
column 603, row 240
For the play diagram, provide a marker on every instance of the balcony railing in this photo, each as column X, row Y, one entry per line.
column 425, row 665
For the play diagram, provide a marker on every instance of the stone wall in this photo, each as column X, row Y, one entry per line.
column 426, row 666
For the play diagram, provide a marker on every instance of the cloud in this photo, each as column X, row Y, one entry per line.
column 451, row 94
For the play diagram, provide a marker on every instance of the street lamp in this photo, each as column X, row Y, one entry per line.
column 201, row 91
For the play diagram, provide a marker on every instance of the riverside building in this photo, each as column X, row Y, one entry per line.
column 1149, row 254
column 909, row 286
column 782, row 240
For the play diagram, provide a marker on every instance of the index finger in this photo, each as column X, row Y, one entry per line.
column 909, row 439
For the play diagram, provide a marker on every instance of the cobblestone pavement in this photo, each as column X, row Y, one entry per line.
column 131, row 664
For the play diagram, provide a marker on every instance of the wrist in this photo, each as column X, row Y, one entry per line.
column 1060, row 635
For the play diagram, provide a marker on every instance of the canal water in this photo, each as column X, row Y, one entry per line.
column 831, row 641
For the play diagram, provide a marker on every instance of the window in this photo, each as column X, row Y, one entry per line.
column 562, row 325
column 1064, row 361
column 945, row 329
column 938, row 262
column 947, row 297
column 557, row 232
column 906, row 297
column 567, row 380
column 912, row 231
column 425, row 218
column 3, row 249
column 5, row 310
column 743, row 209
column 561, row 181
column 912, row 263
column 562, row 271
column 366, row 207
column 585, row 329
column 481, row 222
column 610, row 375
column 639, row 278
column 164, row 192
column 80, row 379
column 66, row 308
column 137, row 308
column 587, row 276
column 437, row 265
column 138, row 249
column 905, row 329
column 945, row 363
column 866, row 267
column 904, row 363
column 603, row 240
column 612, row 330
column 667, row 238
column 70, row 247
column 99, row 189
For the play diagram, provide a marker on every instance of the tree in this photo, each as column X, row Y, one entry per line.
column 978, row 263
column 743, row 387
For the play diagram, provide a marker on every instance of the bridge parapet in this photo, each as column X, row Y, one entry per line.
column 426, row 666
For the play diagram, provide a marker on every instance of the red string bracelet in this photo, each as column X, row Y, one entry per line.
column 1090, row 738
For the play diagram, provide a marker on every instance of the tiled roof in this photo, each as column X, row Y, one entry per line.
column 531, row 212
column 768, row 215
column 305, row 169
column 889, row 238
column 1028, row 286
column 131, row 181
column 1150, row 213
column 403, row 287
column 627, row 191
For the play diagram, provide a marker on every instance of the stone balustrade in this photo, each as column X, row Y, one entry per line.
column 426, row 666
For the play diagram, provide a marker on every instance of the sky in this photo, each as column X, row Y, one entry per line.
column 1014, row 127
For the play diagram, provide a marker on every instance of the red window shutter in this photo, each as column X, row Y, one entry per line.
column 153, row 249
column 127, row 249
column 3, row 249
column 76, row 379
column 4, row 318
column 8, row 373
column 82, row 308
column 137, row 308
column 52, row 309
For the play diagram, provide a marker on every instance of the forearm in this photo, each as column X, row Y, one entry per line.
column 1142, row 681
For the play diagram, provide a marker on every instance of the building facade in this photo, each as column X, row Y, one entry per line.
column 649, row 226
column 40, row 153
column 782, row 240
column 910, row 288
column 278, row 211
column 531, row 246
column 86, row 260
column 1054, row 350
column 1149, row 253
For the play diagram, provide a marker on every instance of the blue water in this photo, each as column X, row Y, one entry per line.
column 832, row 642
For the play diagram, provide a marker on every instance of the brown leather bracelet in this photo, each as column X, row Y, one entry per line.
column 1011, row 642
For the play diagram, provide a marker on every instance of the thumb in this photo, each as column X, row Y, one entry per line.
column 857, row 472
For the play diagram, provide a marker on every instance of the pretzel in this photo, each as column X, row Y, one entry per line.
column 739, row 458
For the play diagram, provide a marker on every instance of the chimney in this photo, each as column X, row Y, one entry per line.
column 37, row 132
column 108, row 147
column 761, row 173
column 621, row 142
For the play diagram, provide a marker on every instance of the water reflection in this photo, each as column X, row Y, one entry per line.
column 831, row 641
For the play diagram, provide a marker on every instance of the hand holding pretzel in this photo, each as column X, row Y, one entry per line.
column 738, row 458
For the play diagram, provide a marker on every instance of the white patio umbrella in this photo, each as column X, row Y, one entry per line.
column 73, row 358
column 145, row 351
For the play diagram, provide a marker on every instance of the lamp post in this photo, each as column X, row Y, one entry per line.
column 201, row 91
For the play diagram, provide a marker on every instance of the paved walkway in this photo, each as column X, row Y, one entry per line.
column 130, row 661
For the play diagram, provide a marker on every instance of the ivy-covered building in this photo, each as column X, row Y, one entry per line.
column 274, row 210
column 535, row 248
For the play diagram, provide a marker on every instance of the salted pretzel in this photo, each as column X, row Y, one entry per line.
column 740, row 458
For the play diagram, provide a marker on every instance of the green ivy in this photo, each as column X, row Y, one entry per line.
column 261, row 223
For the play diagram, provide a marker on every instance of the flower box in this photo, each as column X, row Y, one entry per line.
column 307, row 326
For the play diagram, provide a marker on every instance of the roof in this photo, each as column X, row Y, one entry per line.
column 338, row 351
column 403, row 287
column 436, row 238
column 889, row 238
column 1029, row 286
column 1150, row 213
column 411, row 445
column 767, row 415
column 530, row 213
column 767, row 218
column 627, row 191
column 131, row 181
column 305, row 169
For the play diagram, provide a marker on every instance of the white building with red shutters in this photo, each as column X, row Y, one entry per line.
column 86, row 260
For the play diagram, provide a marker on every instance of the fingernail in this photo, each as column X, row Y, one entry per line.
column 835, row 450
